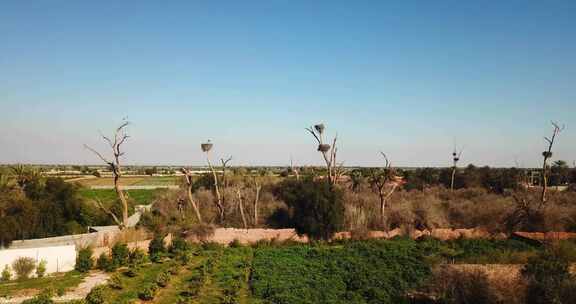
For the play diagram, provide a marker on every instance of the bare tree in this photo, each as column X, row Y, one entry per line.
column 241, row 206
column 206, row 147
column 547, row 155
column 379, row 180
column 455, row 158
column 119, row 138
column 189, row 183
column 258, row 188
column 328, row 152
column 294, row 170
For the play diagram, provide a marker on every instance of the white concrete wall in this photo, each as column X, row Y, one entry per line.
column 58, row 258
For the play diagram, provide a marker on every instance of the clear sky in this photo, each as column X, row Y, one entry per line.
column 410, row 78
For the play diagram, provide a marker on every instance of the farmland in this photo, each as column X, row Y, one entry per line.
column 132, row 181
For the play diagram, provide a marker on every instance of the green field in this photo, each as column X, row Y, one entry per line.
column 108, row 196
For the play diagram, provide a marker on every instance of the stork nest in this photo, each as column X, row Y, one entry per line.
column 547, row 154
column 323, row 147
column 206, row 147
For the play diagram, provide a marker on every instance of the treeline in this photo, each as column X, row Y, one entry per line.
column 35, row 207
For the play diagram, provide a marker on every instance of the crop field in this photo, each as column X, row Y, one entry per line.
column 213, row 274
column 108, row 196
column 132, row 181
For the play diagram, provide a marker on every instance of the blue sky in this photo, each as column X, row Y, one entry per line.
column 406, row 77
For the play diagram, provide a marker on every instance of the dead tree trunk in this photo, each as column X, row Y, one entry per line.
column 328, row 153
column 256, row 200
column 379, row 180
column 219, row 203
column 547, row 155
column 294, row 170
column 189, row 184
column 241, row 206
column 119, row 138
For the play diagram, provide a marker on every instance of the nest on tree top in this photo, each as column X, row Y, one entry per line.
column 206, row 147
column 323, row 147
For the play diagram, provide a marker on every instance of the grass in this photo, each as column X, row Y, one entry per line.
column 61, row 281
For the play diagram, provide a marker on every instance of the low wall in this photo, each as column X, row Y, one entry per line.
column 94, row 239
column 58, row 258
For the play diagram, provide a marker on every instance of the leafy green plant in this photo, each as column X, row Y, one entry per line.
column 156, row 248
column 120, row 255
column 45, row 297
column 41, row 269
column 104, row 263
column 137, row 257
column 6, row 273
column 162, row 279
column 84, row 260
column 23, row 267
column 97, row 295
column 147, row 292
column 116, row 282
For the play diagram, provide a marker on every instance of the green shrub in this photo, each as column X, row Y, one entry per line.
column 137, row 257
column 23, row 267
column 103, row 263
column 148, row 292
column 162, row 279
column 116, row 282
column 318, row 207
column 131, row 272
column 41, row 269
column 548, row 278
column 156, row 248
column 84, row 260
column 120, row 255
column 179, row 245
column 235, row 243
column 97, row 295
column 6, row 273
column 45, row 297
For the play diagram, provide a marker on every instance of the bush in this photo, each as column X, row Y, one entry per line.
column 45, row 297
column 104, row 263
column 120, row 255
column 137, row 257
column 41, row 269
column 116, row 282
column 23, row 267
column 97, row 295
column 549, row 279
column 318, row 207
column 131, row 272
column 84, row 260
column 179, row 245
column 148, row 292
column 6, row 273
column 162, row 279
column 456, row 287
column 156, row 248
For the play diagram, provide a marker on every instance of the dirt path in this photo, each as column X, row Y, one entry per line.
column 79, row 292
